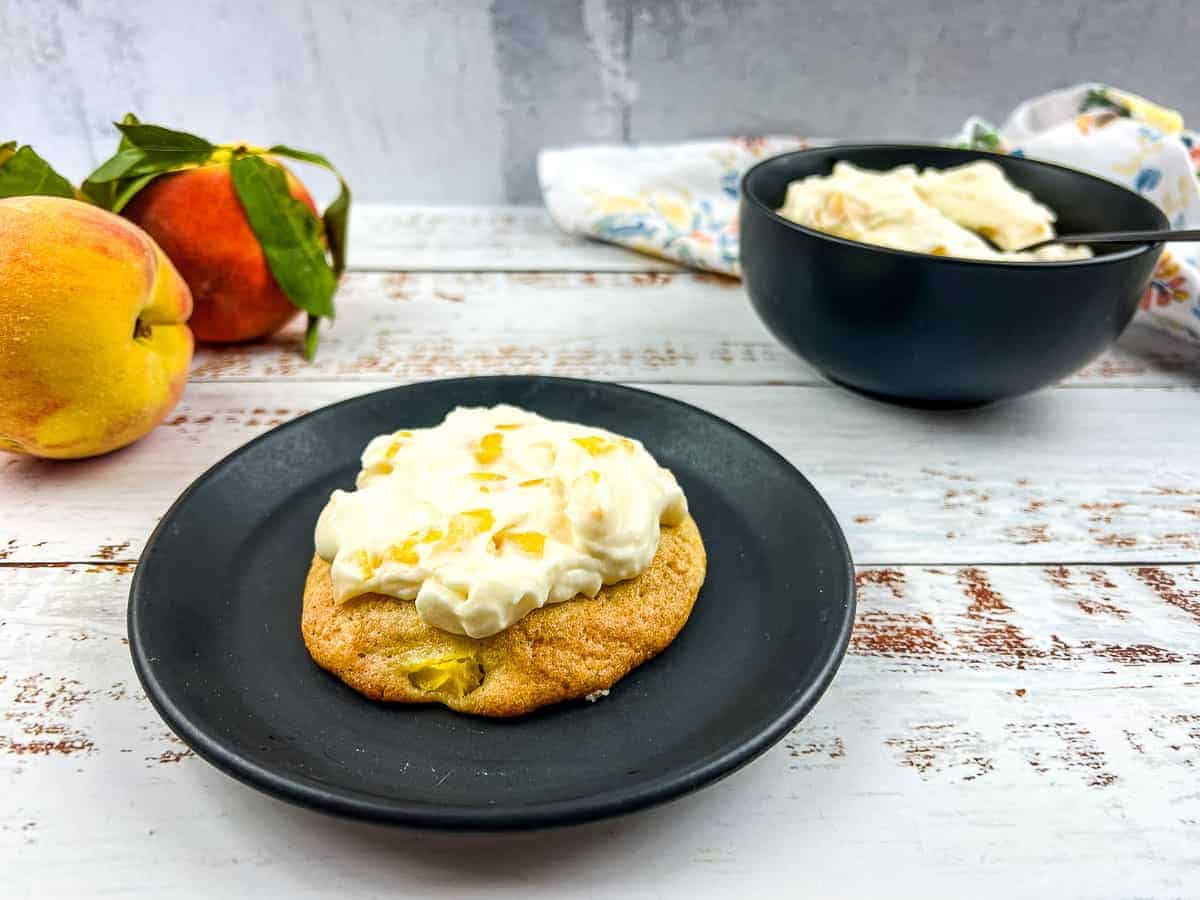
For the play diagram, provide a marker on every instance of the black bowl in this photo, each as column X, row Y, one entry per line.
column 930, row 330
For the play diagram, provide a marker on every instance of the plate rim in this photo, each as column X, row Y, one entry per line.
column 354, row 804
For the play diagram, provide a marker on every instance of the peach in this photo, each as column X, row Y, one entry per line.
column 94, row 351
column 197, row 219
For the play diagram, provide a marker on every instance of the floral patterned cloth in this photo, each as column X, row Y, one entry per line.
column 676, row 201
column 679, row 201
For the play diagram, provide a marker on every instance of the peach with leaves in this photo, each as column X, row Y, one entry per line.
column 243, row 231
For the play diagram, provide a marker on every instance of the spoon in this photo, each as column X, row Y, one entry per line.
column 1120, row 237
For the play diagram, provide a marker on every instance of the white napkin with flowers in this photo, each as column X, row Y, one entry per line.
column 679, row 201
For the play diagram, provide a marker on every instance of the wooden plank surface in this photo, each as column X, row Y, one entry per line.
column 651, row 327
column 479, row 239
column 1018, row 707
column 988, row 721
column 1058, row 476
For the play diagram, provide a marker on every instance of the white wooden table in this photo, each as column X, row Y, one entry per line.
column 1019, row 713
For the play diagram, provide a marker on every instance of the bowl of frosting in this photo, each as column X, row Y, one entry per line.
column 906, row 271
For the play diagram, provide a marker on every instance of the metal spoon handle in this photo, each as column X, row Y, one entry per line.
column 1123, row 237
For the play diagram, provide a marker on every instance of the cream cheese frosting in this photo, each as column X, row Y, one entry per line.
column 979, row 197
column 494, row 513
column 941, row 212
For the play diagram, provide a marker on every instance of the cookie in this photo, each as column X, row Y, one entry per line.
column 380, row 647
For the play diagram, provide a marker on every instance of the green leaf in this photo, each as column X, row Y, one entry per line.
column 151, row 149
column 145, row 152
column 127, row 188
column 155, row 139
column 129, row 119
column 337, row 214
column 102, row 195
column 24, row 173
column 115, row 167
column 311, row 336
column 1098, row 98
column 290, row 236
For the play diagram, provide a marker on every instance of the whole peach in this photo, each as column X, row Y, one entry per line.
column 197, row 219
column 94, row 351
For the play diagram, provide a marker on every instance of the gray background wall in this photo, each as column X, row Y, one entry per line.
column 448, row 103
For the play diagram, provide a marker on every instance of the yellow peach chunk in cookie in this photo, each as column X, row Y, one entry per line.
column 455, row 676
column 532, row 543
column 368, row 562
column 406, row 553
column 596, row 445
column 489, row 449
column 468, row 524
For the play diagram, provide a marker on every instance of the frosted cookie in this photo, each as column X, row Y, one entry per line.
column 499, row 562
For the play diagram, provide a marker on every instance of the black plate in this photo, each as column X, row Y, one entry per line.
column 214, row 629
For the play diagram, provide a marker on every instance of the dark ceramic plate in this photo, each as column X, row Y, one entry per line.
column 214, row 629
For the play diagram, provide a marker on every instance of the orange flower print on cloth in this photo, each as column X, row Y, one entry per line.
column 1168, row 284
column 1191, row 141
